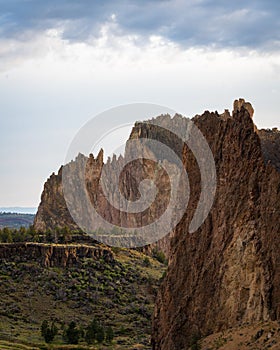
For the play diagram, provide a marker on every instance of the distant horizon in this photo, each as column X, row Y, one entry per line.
column 18, row 210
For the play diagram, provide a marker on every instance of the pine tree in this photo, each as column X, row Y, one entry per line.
column 48, row 333
column 7, row 235
column 91, row 332
column 100, row 334
column 72, row 333
column 44, row 327
column 109, row 334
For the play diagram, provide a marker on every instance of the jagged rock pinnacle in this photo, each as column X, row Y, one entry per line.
column 238, row 104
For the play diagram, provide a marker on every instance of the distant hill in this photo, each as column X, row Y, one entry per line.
column 15, row 220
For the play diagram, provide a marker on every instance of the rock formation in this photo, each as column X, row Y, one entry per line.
column 57, row 255
column 270, row 141
column 241, row 103
column 53, row 211
column 227, row 273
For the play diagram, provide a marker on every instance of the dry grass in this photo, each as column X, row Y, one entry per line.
column 258, row 336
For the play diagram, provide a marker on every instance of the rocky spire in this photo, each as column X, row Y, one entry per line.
column 238, row 104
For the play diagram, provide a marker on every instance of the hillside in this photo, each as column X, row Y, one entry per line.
column 63, row 283
column 16, row 220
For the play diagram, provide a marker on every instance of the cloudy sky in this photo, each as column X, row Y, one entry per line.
column 64, row 61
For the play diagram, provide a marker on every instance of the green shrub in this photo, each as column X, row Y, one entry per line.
column 159, row 255
column 146, row 262
column 194, row 342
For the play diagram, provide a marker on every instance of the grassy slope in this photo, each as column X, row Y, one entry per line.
column 120, row 295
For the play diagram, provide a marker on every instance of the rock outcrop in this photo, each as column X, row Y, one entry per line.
column 270, row 141
column 241, row 103
column 53, row 211
column 53, row 255
column 227, row 273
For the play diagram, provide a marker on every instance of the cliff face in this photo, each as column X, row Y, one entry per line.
column 53, row 211
column 228, row 271
column 270, row 141
column 53, row 255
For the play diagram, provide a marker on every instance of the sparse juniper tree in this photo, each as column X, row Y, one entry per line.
column 91, row 331
column 54, row 329
column 48, row 332
column 159, row 255
column 100, row 334
column 6, row 235
column 33, row 233
column 81, row 332
column 67, row 234
column 49, row 236
column 64, row 234
column 147, row 262
column 44, row 327
column 109, row 334
column 22, row 233
column 1, row 236
column 72, row 333
column 57, row 233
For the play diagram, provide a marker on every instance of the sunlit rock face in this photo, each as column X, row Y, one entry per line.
column 53, row 211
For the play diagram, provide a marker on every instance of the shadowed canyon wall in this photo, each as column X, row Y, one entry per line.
column 228, row 271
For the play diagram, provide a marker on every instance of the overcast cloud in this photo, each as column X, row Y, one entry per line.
column 64, row 61
column 253, row 24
